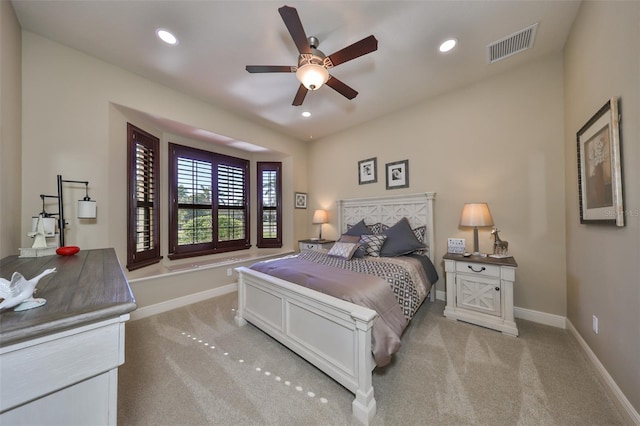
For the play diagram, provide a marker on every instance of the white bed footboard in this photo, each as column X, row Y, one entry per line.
column 332, row 334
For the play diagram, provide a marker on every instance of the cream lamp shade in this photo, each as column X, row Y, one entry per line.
column 320, row 217
column 476, row 215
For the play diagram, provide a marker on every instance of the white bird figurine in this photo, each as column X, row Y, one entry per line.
column 19, row 291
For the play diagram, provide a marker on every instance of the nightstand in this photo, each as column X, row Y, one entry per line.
column 315, row 244
column 480, row 291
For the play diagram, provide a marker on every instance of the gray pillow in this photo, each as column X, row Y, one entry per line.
column 358, row 229
column 401, row 240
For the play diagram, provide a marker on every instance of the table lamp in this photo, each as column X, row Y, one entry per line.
column 475, row 215
column 320, row 217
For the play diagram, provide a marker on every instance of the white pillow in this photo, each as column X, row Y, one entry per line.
column 343, row 250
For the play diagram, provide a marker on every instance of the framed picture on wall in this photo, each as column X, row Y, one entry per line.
column 300, row 200
column 600, row 167
column 368, row 171
column 397, row 174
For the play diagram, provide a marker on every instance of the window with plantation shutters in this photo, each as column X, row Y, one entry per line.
column 208, row 206
column 143, row 225
column 269, row 204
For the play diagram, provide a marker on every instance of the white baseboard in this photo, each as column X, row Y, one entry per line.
column 540, row 317
column 158, row 308
column 630, row 413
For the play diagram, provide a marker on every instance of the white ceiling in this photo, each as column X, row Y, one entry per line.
column 218, row 38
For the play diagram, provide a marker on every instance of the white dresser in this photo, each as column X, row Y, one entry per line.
column 59, row 362
column 480, row 291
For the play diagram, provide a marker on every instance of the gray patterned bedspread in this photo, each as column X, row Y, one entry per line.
column 393, row 287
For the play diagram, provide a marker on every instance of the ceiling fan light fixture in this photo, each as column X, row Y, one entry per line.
column 312, row 76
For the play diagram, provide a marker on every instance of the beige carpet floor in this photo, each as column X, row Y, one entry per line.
column 194, row 366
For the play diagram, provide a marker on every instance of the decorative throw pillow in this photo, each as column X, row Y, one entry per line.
column 373, row 244
column 360, row 252
column 343, row 250
column 344, row 238
column 400, row 240
column 357, row 229
column 420, row 233
column 378, row 228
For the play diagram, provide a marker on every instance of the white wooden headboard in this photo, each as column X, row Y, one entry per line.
column 417, row 208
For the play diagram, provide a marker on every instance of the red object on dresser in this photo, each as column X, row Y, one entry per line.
column 67, row 250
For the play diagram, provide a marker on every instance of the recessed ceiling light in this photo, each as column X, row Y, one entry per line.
column 166, row 36
column 306, row 114
column 447, row 45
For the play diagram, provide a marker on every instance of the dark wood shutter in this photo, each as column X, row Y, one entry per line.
column 143, row 225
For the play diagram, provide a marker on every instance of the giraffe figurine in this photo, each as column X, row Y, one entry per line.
column 499, row 246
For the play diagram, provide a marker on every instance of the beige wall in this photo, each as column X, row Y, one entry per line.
column 509, row 141
column 499, row 141
column 602, row 59
column 10, row 130
column 74, row 125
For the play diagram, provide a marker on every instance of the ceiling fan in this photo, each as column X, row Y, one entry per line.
column 313, row 66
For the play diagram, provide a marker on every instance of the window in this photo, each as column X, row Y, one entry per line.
column 208, row 202
column 143, row 224
column 269, row 205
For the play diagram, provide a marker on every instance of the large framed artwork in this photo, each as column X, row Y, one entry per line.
column 600, row 167
column 368, row 171
column 397, row 174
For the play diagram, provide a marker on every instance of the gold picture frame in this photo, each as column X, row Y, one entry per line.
column 600, row 167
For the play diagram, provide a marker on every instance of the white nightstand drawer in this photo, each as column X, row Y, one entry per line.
column 310, row 246
column 315, row 244
column 478, row 269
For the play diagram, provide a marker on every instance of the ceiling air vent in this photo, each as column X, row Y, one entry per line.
column 510, row 45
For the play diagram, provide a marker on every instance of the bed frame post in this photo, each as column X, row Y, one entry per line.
column 239, row 319
column 364, row 404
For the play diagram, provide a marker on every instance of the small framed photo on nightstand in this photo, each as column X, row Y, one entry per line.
column 456, row 245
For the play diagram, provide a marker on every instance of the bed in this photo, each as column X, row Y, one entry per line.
column 333, row 334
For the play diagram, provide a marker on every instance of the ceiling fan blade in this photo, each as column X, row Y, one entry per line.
column 269, row 68
column 292, row 21
column 302, row 92
column 341, row 88
column 357, row 49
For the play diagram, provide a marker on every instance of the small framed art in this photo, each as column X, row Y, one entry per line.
column 300, row 200
column 600, row 167
column 368, row 171
column 397, row 174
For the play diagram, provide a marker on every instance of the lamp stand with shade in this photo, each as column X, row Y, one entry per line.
column 43, row 223
column 476, row 215
column 319, row 218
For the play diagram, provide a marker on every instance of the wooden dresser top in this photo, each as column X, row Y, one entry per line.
column 87, row 287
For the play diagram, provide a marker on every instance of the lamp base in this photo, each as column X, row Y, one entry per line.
column 476, row 251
